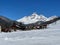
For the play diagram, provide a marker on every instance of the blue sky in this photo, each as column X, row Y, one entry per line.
column 15, row 9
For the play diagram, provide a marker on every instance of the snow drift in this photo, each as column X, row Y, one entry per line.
column 49, row 36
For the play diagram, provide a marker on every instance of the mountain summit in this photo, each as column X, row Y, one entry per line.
column 34, row 18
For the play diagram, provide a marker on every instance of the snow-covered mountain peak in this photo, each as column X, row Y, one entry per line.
column 52, row 17
column 34, row 14
column 34, row 18
column 43, row 18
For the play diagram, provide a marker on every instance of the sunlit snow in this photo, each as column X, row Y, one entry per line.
column 49, row 36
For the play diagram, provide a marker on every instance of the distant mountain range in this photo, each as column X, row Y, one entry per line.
column 34, row 18
column 26, row 21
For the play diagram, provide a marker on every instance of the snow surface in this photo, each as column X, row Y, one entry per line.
column 34, row 18
column 49, row 36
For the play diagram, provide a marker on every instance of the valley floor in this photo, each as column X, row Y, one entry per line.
column 49, row 36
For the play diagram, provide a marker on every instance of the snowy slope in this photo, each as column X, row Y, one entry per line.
column 34, row 18
column 49, row 36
